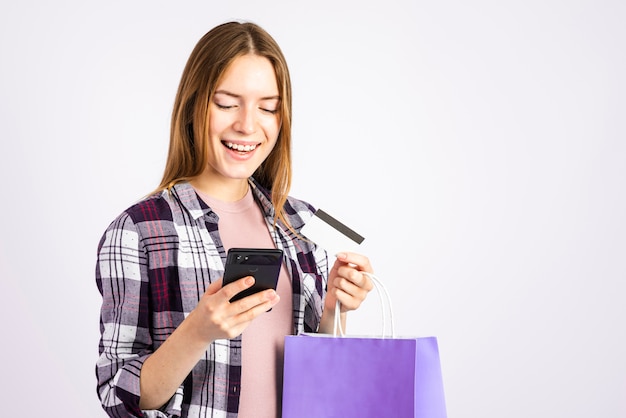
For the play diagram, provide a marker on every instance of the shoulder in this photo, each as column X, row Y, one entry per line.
column 138, row 217
column 162, row 212
column 155, row 207
column 167, row 205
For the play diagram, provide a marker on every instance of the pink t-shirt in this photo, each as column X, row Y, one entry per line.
column 241, row 224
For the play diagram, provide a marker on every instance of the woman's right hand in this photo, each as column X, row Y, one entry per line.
column 216, row 318
column 213, row 318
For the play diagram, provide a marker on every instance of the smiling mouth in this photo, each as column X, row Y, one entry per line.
column 240, row 147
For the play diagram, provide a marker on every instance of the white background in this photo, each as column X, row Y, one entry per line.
column 478, row 146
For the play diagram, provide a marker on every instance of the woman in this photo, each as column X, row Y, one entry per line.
column 171, row 342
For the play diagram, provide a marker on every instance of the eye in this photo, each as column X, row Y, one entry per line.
column 223, row 107
column 270, row 111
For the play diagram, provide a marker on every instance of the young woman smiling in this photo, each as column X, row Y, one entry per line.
column 172, row 345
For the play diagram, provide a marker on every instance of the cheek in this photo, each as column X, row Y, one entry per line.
column 217, row 124
column 272, row 129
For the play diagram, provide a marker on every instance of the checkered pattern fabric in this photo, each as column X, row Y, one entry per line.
column 154, row 263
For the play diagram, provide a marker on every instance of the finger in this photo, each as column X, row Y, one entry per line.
column 348, row 302
column 257, row 299
column 356, row 277
column 359, row 260
column 237, row 286
column 254, row 305
column 351, row 289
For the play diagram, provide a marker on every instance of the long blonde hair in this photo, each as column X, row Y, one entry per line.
column 208, row 61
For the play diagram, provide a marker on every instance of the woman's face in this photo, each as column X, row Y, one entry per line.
column 244, row 120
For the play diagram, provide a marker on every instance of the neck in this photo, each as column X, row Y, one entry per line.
column 230, row 190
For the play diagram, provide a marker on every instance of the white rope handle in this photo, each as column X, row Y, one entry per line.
column 383, row 295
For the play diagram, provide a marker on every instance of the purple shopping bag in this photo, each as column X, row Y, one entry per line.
column 326, row 376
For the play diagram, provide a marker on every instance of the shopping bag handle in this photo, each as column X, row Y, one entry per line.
column 383, row 296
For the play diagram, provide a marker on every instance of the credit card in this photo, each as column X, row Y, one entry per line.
column 330, row 234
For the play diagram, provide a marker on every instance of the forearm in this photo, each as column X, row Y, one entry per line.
column 348, row 284
column 327, row 322
column 165, row 370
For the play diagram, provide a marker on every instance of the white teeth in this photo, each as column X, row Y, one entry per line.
column 239, row 147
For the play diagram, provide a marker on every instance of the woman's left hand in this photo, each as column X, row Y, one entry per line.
column 347, row 283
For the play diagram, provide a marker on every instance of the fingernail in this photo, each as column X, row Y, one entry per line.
column 249, row 280
column 341, row 255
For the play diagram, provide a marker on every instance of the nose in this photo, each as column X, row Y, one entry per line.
column 246, row 121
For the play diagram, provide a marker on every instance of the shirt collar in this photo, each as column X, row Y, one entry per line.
column 187, row 196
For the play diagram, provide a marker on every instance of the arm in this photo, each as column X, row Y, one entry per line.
column 132, row 378
column 214, row 318
column 124, row 340
column 348, row 285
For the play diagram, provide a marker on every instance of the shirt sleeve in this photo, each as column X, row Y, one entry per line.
column 125, row 340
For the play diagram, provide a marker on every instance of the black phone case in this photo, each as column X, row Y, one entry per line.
column 261, row 263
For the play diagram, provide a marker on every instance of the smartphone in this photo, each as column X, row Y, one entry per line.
column 261, row 263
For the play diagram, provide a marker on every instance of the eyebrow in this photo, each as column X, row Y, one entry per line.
column 238, row 96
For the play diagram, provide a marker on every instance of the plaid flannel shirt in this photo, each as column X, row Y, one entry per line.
column 154, row 263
